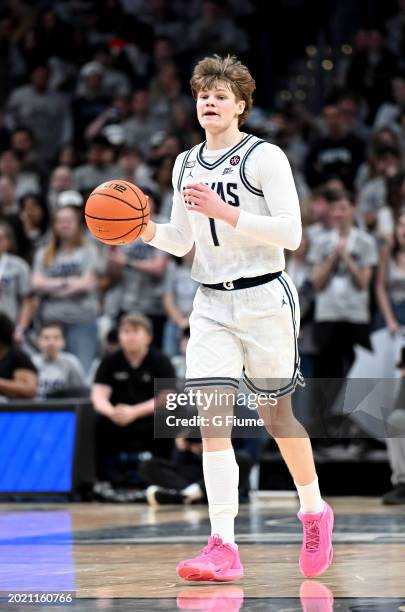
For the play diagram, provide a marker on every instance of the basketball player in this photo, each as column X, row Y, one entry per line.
column 235, row 199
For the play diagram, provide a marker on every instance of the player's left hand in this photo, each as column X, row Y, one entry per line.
column 198, row 197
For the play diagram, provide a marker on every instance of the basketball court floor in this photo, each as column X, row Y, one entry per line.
column 123, row 558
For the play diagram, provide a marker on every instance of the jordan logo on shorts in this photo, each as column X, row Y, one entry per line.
column 284, row 302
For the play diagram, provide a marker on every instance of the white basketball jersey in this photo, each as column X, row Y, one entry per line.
column 222, row 254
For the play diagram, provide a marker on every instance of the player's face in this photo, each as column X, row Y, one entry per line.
column 217, row 108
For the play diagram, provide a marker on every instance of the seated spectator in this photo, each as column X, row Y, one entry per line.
column 338, row 153
column 390, row 282
column 178, row 298
column 8, row 199
column 18, row 376
column 34, row 217
column 180, row 480
column 99, row 167
column 65, row 280
column 59, row 372
column 16, row 298
column 123, row 395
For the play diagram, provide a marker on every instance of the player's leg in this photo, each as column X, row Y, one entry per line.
column 272, row 365
column 214, row 363
column 315, row 514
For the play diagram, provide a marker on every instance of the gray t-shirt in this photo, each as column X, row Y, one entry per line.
column 79, row 308
column 140, row 290
column 341, row 299
column 182, row 287
column 65, row 372
column 88, row 176
column 15, row 284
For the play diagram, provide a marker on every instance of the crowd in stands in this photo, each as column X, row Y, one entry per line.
column 88, row 94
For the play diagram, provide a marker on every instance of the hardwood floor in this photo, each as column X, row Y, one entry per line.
column 126, row 555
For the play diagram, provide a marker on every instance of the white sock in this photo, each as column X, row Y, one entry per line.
column 221, row 477
column 193, row 492
column 310, row 497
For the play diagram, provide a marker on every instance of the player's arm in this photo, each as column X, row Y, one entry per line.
column 273, row 174
column 175, row 237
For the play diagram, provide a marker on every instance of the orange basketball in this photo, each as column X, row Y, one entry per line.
column 117, row 212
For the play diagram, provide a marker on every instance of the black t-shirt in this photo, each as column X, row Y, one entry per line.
column 131, row 386
column 14, row 360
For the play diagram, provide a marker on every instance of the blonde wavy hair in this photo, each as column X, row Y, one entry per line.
column 211, row 70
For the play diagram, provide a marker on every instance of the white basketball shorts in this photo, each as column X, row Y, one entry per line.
column 250, row 331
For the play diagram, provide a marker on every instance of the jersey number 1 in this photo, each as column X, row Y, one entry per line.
column 213, row 231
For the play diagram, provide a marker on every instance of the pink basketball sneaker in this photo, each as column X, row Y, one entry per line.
column 216, row 562
column 317, row 549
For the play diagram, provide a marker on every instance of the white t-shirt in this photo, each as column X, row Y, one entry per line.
column 253, row 175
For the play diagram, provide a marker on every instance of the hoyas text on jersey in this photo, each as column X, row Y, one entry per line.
column 226, row 192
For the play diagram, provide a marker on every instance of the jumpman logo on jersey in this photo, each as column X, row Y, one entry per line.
column 190, row 174
column 284, row 302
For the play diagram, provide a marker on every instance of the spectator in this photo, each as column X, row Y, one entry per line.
column 140, row 269
column 142, row 124
column 389, row 112
column 368, row 170
column 34, row 217
column 61, row 180
column 15, row 284
column 22, row 143
column 387, row 216
column 113, row 116
column 373, row 195
column 178, row 298
column 390, row 282
column 18, row 377
column 371, row 71
column 320, row 213
column 339, row 153
column 215, row 32
column 59, row 372
column 132, row 168
column 180, row 480
column 43, row 111
column 8, row 200
column 343, row 262
column 115, row 82
column 99, row 167
column 24, row 181
column 163, row 179
column 65, row 279
column 90, row 100
column 123, row 395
